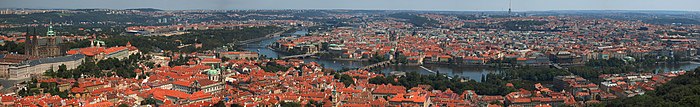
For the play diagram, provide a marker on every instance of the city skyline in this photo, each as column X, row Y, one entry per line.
column 349, row 53
column 443, row 5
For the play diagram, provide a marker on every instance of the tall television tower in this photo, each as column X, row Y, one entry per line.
column 510, row 5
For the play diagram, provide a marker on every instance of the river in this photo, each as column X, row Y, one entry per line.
column 468, row 72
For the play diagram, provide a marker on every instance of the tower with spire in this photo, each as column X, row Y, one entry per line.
column 50, row 32
column 28, row 42
column 510, row 5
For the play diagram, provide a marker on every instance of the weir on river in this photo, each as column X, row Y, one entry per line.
column 426, row 69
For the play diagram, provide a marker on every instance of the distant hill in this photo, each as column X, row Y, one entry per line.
column 647, row 16
column 146, row 9
column 414, row 19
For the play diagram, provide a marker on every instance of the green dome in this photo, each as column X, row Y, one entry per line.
column 213, row 72
column 50, row 32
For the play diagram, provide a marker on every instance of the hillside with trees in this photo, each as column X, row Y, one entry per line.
column 682, row 91
column 414, row 19
column 209, row 38
column 84, row 15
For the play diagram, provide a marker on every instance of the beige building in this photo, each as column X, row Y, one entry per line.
column 19, row 67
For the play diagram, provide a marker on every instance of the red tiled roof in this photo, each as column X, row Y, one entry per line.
column 389, row 89
column 100, row 104
column 77, row 90
column 355, row 105
column 115, row 49
column 211, row 60
column 183, row 83
column 8, row 98
column 410, row 97
column 17, row 58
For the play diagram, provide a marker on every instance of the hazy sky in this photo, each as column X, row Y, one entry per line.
column 453, row 5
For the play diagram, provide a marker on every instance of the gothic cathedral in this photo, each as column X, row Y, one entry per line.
column 48, row 46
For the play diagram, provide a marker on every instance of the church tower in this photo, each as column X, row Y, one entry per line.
column 28, row 44
column 510, row 6
column 214, row 73
column 50, row 32
column 53, row 43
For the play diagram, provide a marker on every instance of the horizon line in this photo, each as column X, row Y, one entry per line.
column 435, row 10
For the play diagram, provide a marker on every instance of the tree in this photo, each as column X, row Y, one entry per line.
column 109, row 64
column 24, row 92
column 219, row 104
column 235, row 105
column 345, row 78
column 493, row 85
column 150, row 64
column 13, row 47
column 273, row 67
column 225, row 59
column 62, row 71
column 50, row 72
column 149, row 101
column 290, row 104
column 415, row 19
column 313, row 103
column 325, row 45
column 63, row 94
column 682, row 91
column 376, row 57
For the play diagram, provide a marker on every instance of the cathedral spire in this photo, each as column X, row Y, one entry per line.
column 28, row 42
